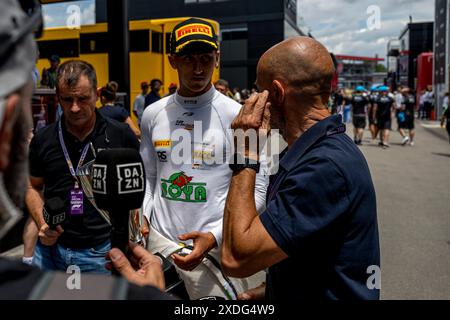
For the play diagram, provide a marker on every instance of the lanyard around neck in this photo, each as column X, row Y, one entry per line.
column 66, row 153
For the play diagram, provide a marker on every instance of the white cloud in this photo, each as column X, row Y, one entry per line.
column 88, row 15
column 341, row 25
column 48, row 19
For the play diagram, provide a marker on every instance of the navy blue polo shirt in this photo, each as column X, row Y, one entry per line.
column 321, row 211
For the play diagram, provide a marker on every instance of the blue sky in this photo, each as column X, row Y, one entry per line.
column 58, row 14
column 341, row 25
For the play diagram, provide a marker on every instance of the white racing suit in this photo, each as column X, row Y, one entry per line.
column 188, row 178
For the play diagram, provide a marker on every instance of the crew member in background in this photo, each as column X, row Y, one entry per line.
column 359, row 105
column 445, row 119
column 153, row 95
column 139, row 102
column 373, row 97
column 222, row 86
column 48, row 78
column 407, row 108
column 383, row 112
column 111, row 110
column 172, row 88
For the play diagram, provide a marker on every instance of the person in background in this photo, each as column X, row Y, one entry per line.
column 245, row 94
column 35, row 74
column 446, row 119
column 153, row 95
column 49, row 75
column 172, row 88
column 383, row 113
column 421, row 111
column 373, row 97
column 222, row 86
column 110, row 109
column 237, row 95
column 347, row 106
column 445, row 102
column 139, row 102
column 406, row 112
column 359, row 105
column 428, row 102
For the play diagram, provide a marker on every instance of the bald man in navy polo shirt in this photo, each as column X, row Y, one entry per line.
column 319, row 233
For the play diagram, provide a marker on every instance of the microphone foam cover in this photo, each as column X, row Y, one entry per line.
column 118, row 179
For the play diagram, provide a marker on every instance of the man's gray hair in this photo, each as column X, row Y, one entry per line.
column 69, row 73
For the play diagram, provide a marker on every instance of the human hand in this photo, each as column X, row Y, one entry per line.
column 255, row 114
column 203, row 242
column 147, row 270
column 144, row 228
column 257, row 293
column 47, row 236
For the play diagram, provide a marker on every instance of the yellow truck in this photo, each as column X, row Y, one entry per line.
column 149, row 48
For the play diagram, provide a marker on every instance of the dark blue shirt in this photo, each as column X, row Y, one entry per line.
column 116, row 112
column 321, row 211
column 150, row 98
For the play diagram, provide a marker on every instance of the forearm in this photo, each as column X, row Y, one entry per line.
column 133, row 127
column 35, row 204
column 240, row 211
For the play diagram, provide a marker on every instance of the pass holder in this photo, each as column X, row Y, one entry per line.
column 76, row 201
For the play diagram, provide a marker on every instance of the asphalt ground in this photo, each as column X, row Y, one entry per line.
column 413, row 199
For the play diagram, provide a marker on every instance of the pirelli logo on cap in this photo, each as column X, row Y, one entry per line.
column 191, row 29
column 163, row 143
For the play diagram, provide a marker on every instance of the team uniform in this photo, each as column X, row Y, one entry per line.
column 359, row 103
column 372, row 101
column 410, row 103
column 383, row 115
column 186, row 190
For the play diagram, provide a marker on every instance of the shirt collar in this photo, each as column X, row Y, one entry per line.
column 328, row 126
column 195, row 102
column 100, row 125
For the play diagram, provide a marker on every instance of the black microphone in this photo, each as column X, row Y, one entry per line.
column 54, row 212
column 118, row 185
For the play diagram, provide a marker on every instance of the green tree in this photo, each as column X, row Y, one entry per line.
column 380, row 68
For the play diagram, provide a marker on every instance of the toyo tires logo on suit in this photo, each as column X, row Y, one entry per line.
column 131, row 178
column 180, row 188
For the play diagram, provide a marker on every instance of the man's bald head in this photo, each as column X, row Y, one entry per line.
column 300, row 63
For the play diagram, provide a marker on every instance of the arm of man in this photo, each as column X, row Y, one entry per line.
column 136, row 107
column 247, row 246
column 149, row 156
column 133, row 127
column 35, row 204
column 35, row 200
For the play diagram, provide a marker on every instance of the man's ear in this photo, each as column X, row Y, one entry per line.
column 279, row 93
column 172, row 61
column 6, row 129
